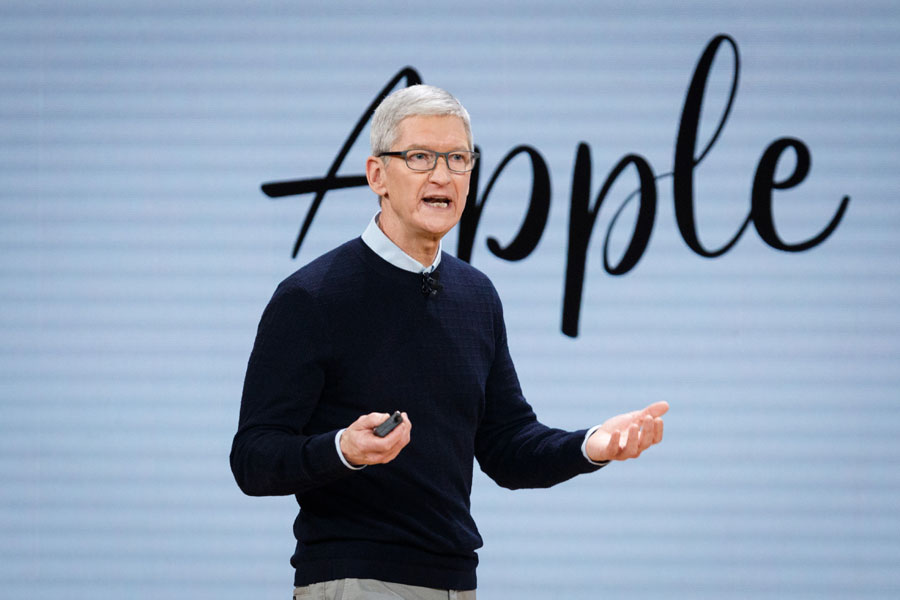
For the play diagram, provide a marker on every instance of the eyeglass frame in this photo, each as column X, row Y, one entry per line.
column 437, row 155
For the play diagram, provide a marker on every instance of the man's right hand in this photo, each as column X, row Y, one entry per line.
column 361, row 446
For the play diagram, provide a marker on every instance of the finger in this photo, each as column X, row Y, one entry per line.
column 390, row 455
column 647, row 433
column 403, row 432
column 398, row 430
column 657, row 409
column 406, row 437
column 399, row 437
column 659, row 431
column 370, row 420
column 635, row 415
column 404, row 428
column 386, row 454
column 612, row 447
column 408, row 424
column 399, row 444
column 631, row 448
column 406, row 433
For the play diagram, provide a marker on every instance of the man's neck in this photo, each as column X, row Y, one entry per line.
column 423, row 250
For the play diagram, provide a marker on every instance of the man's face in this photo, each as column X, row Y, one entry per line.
column 421, row 205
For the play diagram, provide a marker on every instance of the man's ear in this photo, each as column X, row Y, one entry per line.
column 375, row 175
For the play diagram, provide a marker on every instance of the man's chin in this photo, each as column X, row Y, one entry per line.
column 439, row 225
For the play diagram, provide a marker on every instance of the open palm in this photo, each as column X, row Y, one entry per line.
column 627, row 435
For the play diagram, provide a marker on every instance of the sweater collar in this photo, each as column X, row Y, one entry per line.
column 382, row 245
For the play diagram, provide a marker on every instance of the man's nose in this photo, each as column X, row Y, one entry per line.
column 441, row 171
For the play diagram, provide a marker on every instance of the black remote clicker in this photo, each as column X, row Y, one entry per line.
column 389, row 424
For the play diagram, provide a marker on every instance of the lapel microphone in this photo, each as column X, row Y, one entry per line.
column 431, row 284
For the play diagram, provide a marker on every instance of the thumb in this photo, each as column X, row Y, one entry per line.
column 370, row 420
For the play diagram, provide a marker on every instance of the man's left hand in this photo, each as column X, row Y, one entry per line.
column 626, row 436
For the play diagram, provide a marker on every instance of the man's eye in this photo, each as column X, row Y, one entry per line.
column 419, row 156
column 460, row 158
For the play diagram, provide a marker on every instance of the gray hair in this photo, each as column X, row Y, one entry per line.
column 413, row 101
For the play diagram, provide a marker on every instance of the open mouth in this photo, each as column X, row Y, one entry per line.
column 437, row 201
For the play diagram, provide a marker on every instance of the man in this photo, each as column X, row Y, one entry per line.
column 387, row 321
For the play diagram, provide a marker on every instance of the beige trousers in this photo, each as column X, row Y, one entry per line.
column 373, row 589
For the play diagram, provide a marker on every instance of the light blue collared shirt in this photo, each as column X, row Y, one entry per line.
column 382, row 245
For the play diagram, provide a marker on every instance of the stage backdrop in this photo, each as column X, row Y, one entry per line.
column 751, row 280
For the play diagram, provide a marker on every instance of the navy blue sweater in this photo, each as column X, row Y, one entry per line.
column 350, row 334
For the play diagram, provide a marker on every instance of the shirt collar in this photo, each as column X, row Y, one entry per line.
column 382, row 245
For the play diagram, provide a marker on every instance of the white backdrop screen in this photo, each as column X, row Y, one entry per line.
column 138, row 252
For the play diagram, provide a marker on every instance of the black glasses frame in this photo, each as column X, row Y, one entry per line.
column 437, row 155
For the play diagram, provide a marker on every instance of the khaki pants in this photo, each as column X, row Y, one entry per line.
column 373, row 589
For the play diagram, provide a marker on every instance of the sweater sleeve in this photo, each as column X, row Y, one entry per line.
column 270, row 454
column 512, row 447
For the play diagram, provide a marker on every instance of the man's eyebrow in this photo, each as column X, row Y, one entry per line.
column 425, row 147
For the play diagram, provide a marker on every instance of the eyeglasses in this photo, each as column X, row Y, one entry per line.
column 418, row 159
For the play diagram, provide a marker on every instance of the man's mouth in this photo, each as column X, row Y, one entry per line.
column 437, row 201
